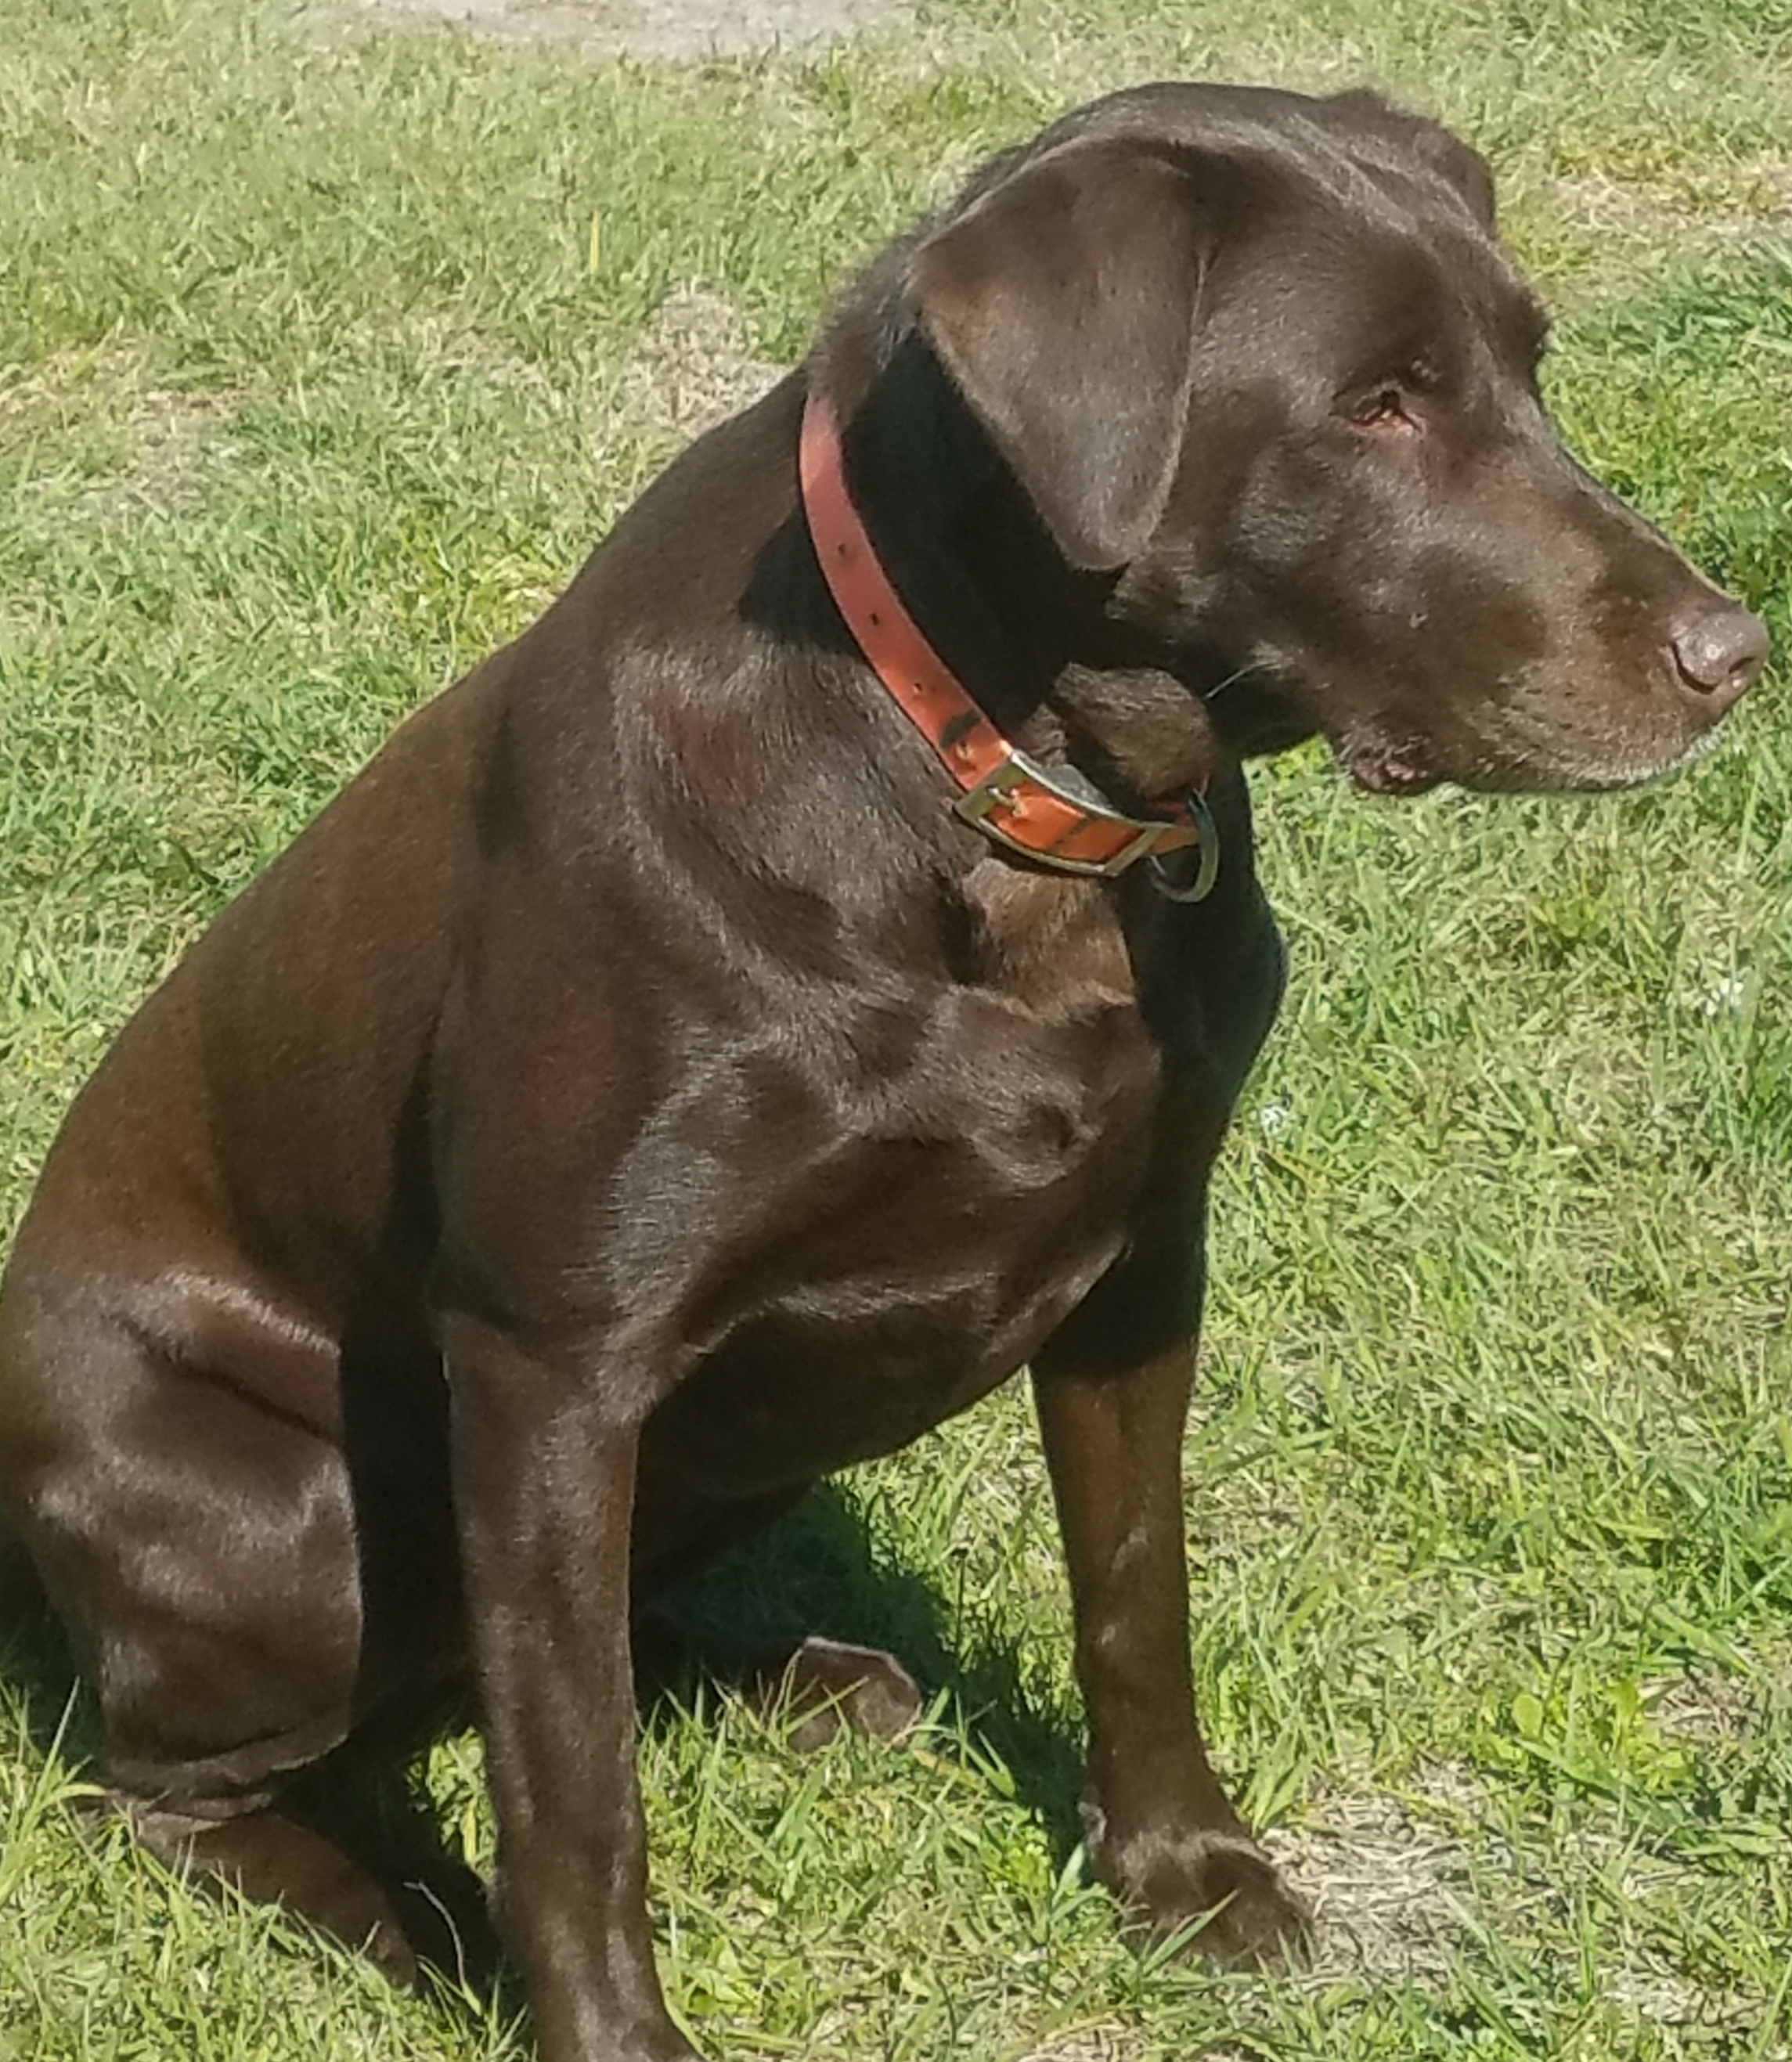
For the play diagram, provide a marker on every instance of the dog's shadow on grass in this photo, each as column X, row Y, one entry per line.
column 57, row 1705
column 817, row 1571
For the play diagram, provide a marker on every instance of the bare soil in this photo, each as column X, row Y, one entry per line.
column 671, row 30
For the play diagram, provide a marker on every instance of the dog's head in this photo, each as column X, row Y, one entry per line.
column 1262, row 357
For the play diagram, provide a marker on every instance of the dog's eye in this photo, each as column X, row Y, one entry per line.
column 1386, row 408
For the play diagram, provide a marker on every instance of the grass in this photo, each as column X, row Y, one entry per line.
column 324, row 356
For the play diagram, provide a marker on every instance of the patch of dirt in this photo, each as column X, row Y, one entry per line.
column 672, row 31
column 107, row 394
column 171, row 431
column 1700, row 1707
column 1383, row 1879
column 692, row 368
column 1401, row 1887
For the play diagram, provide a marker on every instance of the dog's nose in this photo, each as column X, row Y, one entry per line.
column 1718, row 652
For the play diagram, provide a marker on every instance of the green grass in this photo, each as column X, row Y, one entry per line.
column 310, row 392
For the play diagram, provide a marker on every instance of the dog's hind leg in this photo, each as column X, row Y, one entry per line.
column 263, row 1854
column 183, row 1495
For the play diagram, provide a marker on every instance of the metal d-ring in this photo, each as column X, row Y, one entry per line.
column 1207, row 864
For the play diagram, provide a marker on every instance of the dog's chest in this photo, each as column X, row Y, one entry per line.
column 891, row 1255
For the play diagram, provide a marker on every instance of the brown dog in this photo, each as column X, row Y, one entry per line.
column 697, row 1054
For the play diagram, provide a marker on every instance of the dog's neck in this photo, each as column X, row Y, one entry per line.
column 1026, row 633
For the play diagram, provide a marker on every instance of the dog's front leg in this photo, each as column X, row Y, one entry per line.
column 544, row 1484
column 1161, row 1832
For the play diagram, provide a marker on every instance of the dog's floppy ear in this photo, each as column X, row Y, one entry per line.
column 1455, row 162
column 1062, row 302
column 1465, row 168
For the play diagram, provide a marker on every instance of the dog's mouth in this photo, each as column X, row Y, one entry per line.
column 1518, row 759
column 1504, row 746
column 1388, row 769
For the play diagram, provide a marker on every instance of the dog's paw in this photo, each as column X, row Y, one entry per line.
column 1223, row 1886
column 826, row 1685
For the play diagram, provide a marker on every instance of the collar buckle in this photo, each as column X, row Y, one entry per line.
column 1018, row 801
column 1207, row 860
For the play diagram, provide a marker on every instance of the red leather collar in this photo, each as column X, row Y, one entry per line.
column 1052, row 814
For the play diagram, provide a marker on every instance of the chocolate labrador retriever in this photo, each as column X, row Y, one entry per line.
column 802, row 979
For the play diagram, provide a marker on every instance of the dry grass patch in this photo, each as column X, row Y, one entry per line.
column 692, row 367
column 1625, row 220
column 135, row 445
column 1385, row 1876
column 1701, row 1707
